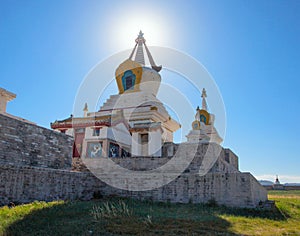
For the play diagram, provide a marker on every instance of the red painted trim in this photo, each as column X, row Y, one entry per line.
column 80, row 125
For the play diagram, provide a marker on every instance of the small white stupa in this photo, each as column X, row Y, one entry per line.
column 203, row 129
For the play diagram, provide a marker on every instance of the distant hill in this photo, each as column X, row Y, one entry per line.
column 270, row 183
column 265, row 182
column 292, row 184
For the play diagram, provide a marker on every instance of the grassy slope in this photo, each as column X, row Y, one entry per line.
column 145, row 218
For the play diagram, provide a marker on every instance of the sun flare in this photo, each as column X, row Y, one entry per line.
column 124, row 29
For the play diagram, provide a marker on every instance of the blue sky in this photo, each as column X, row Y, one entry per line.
column 251, row 49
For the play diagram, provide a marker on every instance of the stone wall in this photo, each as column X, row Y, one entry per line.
column 225, row 163
column 26, row 184
column 150, row 163
column 230, row 157
column 27, row 144
column 231, row 189
column 22, row 184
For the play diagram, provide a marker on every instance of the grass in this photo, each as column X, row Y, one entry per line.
column 288, row 205
column 130, row 217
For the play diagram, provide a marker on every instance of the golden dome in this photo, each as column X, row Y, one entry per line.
column 128, row 76
column 196, row 125
column 204, row 117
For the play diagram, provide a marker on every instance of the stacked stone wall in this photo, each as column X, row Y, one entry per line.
column 27, row 184
column 25, row 144
column 232, row 189
column 22, row 184
column 149, row 163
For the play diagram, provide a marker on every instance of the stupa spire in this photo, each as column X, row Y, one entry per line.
column 85, row 110
column 277, row 180
column 139, row 55
column 204, row 96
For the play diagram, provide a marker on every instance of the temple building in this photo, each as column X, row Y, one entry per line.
column 133, row 122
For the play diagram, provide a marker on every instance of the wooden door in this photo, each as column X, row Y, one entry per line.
column 77, row 147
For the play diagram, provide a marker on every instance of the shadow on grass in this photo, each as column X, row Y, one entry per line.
column 147, row 218
column 271, row 214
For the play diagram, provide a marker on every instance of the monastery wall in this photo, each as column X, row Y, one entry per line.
column 35, row 164
column 22, row 143
column 26, row 184
column 227, row 162
column 230, row 189
column 150, row 163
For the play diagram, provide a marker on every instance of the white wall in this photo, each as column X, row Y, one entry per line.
column 155, row 143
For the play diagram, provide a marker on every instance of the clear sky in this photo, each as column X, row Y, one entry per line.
column 251, row 48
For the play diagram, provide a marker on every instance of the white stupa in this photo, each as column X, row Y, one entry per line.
column 133, row 120
column 203, row 129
